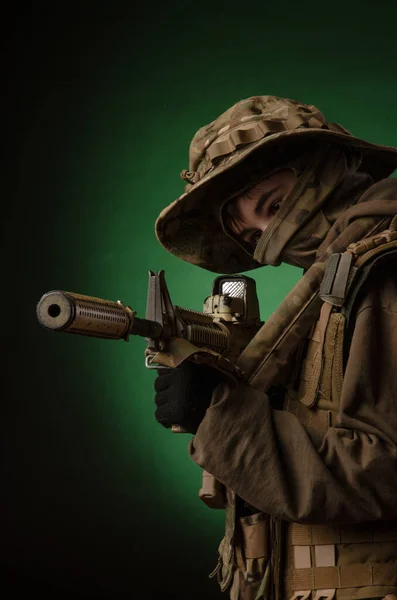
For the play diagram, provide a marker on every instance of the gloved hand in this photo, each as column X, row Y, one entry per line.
column 184, row 394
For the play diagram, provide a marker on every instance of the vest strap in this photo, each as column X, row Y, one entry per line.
column 345, row 576
column 310, row 397
column 337, row 278
column 324, row 534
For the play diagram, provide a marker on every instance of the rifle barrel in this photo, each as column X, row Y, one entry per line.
column 69, row 312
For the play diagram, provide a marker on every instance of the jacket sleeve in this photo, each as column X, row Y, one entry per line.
column 347, row 475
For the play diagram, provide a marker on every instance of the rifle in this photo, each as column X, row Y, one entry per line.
column 216, row 336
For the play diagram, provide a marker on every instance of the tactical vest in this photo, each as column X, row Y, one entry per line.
column 317, row 562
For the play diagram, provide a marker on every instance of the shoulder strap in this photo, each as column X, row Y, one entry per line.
column 345, row 271
column 386, row 253
column 344, row 277
column 349, row 309
column 346, row 274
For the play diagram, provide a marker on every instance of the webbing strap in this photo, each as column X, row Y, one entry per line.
column 251, row 129
column 322, row 534
column 367, row 262
column 310, row 397
column 325, row 556
column 245, row 133
column 337, row 278
column 320, row 595
column 301, row 595
column 345, row 576
column 340, row 275
column 372, row 243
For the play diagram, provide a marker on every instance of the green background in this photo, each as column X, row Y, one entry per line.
column 102, row 101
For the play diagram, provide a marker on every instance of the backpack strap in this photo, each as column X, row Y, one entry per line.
column 386, row 254
column 344, row 277
column 344, row 270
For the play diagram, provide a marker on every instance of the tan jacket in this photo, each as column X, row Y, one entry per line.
column 346, row 474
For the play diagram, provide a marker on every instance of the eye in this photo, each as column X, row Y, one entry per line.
column 276, row 206
column 255, row 237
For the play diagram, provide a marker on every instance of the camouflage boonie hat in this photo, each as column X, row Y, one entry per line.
column 250, row 139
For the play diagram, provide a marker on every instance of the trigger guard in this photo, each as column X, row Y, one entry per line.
column 149, row 364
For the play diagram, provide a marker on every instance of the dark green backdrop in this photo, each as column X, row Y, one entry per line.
column 98, row 499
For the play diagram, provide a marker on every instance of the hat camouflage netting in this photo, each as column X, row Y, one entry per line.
column 250, row 139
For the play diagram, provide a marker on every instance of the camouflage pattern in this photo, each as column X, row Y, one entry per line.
column 301, row 224
column 241, row 441
column 238, row 459
column 267, row 357
column 250, row 139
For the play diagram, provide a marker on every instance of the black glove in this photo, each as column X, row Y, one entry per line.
column 184, row 394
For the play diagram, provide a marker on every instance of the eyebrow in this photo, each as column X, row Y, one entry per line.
column 262, row 200
column 231, row 209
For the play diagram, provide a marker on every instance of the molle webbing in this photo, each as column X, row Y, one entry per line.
column 342, row 269
column 319, row 534
column 345, row 576
column 309, row 398
column 268, row 356
column 344, row 276
column 315, row 556
column 321, row 373
column 317, row 570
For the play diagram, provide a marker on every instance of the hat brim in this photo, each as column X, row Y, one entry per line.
column 210, row 192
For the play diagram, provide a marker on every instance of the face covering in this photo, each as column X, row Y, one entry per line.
column 325, row 188
column 355, row 210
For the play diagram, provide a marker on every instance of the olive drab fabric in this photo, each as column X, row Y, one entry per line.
column 354, row 560
column 233, row 151
column 328, row 472
column 322, row 472
column 303, row 221
column 270, row 351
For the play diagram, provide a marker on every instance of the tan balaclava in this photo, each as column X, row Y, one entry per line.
column 305, row 217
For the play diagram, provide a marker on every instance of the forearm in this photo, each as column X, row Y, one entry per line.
column 267, row 457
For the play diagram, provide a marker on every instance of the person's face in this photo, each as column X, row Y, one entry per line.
column 249, row 214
